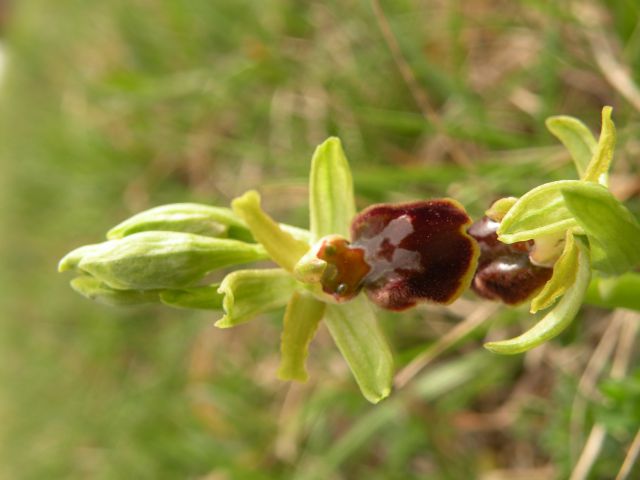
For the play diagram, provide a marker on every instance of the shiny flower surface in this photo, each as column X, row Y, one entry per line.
column 418, row 252
column 504, row 271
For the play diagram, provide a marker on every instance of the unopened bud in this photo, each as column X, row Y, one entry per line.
column 94, row 289
column 187, row 218
column 159, row 260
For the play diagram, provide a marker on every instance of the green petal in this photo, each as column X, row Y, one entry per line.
column 331, row 200
column 540, row 212
column 283, row 248
column 613, row 232
column 355, row 330
column 159, row 260
column 184, row 217
column 248, row 293
column 556, row 320
column 94, row 289
column 576, row 137
column 601, row 161
column 301, row 321
column 205, row 297
column 564, row 275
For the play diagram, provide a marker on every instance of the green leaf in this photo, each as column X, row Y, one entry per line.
column 248, row 293
column 205, row 297
column 159, row 260
column 184, row 217
column 301, row 321
column 283, row 248
column 355, row 330
column 601, row 161
column 564, row 274
column 540, row 212
column 613, row 232
column 331, row 200
column 94, row 289
column 554, row 322
column 576, row 137
column 615, row 292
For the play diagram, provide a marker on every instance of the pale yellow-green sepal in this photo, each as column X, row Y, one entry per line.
column 301, row 319
column 331, row 200
column 576, row 137
column 564, row 274
column 354, row 328
column 248, row 293
column 283, row 248
column 599, row 165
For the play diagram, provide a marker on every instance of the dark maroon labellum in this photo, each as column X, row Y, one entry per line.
column 504, row 271
column 417, row 252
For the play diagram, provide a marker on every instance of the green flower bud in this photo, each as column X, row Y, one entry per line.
column 94, row 289
column 205, row 297
column 159, row 260
column 187, row 218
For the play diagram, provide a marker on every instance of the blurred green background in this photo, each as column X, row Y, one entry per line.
column 110, row 107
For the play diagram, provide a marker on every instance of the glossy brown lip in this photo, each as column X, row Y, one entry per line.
column 505, row 272
column 418, row 252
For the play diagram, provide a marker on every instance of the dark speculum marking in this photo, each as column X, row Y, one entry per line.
column 417, row 252
column 504, row 271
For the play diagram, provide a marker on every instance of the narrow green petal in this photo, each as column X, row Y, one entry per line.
column 354, row 328
column 539, row 212
column 248, row 293
column 94, row 289
column 159, row 260
column 331, row 200
column 301, row 321
column 184, row 217
column 205, row 297
column 613, row 232
column 576, row 137
column 599, row 165
column 564, row 275
column 283, row 248
column 554, row 322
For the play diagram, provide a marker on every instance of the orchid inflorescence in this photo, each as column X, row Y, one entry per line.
column 543, row 248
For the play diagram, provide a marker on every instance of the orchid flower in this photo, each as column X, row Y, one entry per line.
column 572, row 226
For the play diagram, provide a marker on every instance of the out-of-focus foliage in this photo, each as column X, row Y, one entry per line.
column 110, row 107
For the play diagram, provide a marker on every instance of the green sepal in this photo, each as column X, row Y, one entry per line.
column 613, row 232
column 205, row 297
column 554, row 322
column 354, row 328
column 331, row 201
column 599, row 165
column 159, row 260
column 94, row 289
column 283, row 248
column 301, row 319
column 564, row 275
column 540, row 212
column 576, row 137
column 615, row 292
column 247, row 293
column 187, row 218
